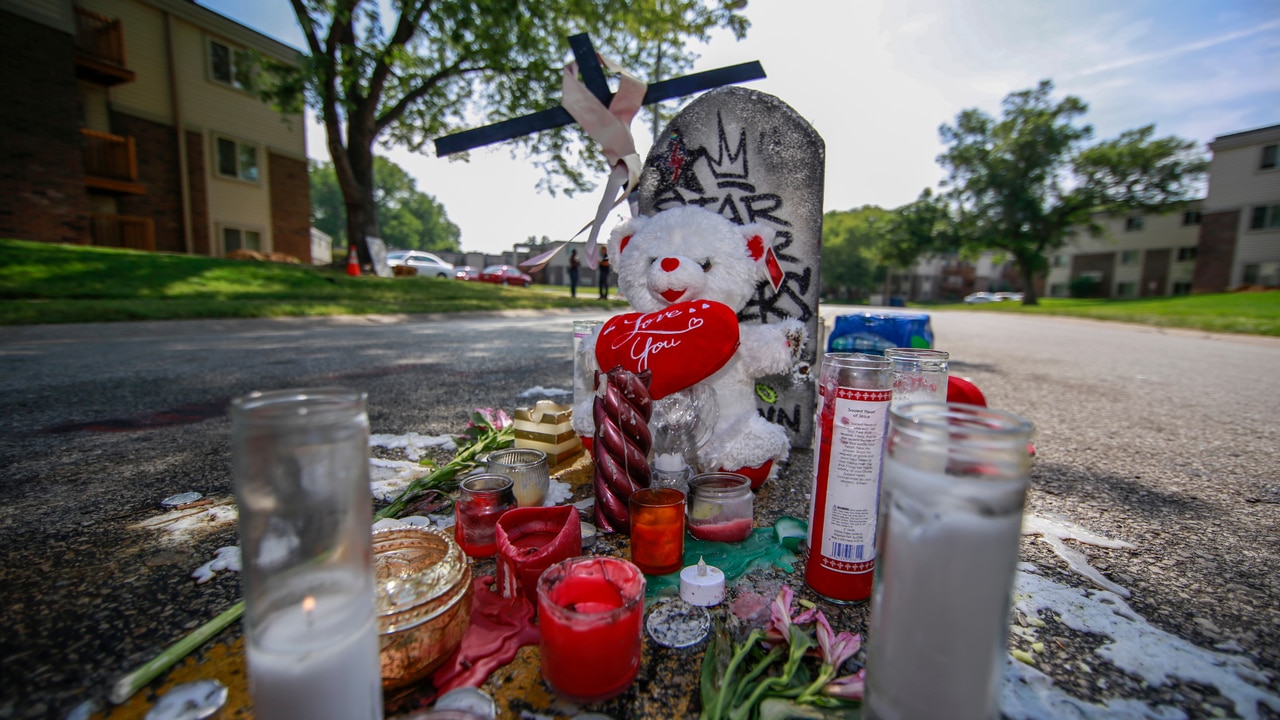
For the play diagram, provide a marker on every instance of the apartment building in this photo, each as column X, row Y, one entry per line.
column 128, row 123
column 1240, row 236
column 1230, row 239
column 1136, row 255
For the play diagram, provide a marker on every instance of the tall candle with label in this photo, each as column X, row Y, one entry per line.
column 855, row 391
column 300, row 460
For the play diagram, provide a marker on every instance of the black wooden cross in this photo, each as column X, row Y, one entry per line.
column 593, row 77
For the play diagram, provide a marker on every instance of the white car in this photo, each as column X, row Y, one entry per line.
column 1015, row 296
column 980, row 297
column 427, row 264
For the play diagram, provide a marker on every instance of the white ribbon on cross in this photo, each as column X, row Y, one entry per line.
column 611, row 127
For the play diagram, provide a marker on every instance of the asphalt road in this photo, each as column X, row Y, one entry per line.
column 1165, row 439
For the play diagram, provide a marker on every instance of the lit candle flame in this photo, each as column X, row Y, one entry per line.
column 308, row 604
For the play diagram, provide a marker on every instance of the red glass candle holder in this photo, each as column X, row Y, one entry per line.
column 532, row 539
column 482, row 499
column 657, row 530
column 590, row 611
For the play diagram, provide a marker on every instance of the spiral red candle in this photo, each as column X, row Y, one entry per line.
column 621, row 444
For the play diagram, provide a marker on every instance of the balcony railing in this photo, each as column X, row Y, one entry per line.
column 100, row 48
column 110, row 162
column 123, row 231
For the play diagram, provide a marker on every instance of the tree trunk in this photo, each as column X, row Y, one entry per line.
column 1026, row 266
column 362, row 211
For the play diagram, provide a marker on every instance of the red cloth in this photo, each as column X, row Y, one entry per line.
column 499, row 627
column 960, row 390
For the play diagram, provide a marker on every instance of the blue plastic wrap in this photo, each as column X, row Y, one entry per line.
column 871, row 332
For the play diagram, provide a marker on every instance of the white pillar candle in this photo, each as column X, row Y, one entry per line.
column 940, row 612
column 318, row 659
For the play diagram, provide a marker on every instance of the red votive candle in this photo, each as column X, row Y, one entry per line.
column 589, row 611
column 482, row 499
column 657, row 530
column 530, row 540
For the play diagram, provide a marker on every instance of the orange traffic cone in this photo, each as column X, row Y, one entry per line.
column 353, row 262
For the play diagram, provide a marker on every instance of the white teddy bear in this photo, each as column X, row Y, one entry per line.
column 671, row 267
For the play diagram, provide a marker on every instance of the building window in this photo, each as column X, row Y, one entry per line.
column 237, row 159
column 1186, row 254
column 1182, row 288
column 1128, row 257
column 1264, row 217
column 230, row 65
column 1132, row 224
column 1059, row 260
column 1191, row 217
column 240, row 239
column 1127, row 289
column 1269, row 158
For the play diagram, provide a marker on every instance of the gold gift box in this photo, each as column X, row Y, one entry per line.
column 548, row 427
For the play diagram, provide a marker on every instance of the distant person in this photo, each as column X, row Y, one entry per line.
column 604, row 273
column 573, row 273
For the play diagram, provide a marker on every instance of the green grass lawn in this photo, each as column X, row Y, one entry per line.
column 1254, row 313
column 51, row 283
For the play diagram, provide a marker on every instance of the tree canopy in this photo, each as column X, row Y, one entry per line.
column 1020, row 182
column 409, row 219
column 424, row 69
column 849, row 239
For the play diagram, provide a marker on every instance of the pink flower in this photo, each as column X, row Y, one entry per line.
column 497, row 418
column 836, row 648
column 849, row 687
column 780, row 620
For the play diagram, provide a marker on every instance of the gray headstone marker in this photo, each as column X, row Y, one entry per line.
column 750, row 157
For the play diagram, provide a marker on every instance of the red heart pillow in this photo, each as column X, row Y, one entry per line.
column 683, row 345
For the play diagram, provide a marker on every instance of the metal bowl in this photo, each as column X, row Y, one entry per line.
column 424, row 601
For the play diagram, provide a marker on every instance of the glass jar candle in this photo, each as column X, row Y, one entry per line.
column 300, row 462
column 590, row 612
column 527, row 468
column 657, row 530
column 721, row 507
column 955, row 481
column 919, row 375
column 482, row 499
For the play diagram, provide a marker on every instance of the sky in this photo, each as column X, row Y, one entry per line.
column 877, row 78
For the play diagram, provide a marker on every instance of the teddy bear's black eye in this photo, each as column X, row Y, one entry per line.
column 705, row 264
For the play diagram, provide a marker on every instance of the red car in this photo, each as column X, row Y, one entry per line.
column 505, row 275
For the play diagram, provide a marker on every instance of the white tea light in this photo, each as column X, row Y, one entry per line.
column 702, row 584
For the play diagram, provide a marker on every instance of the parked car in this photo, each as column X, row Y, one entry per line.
column 1014, row 296
column 505, row 275
column 980, row 297
column 427, row 264
column 465, row 272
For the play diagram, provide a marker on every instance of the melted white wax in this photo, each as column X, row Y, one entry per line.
column 413, row 444
column 224, row 558
column 1134, row 645
column 539, row 391
column 1054, row 530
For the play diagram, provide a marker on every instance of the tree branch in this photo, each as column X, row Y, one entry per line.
column 394, row 112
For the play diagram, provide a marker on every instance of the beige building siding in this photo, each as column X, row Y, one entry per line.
column 234, row 202
column 1239, row 182
column 147, row 96
column 218, row 107
column 1165, row 231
